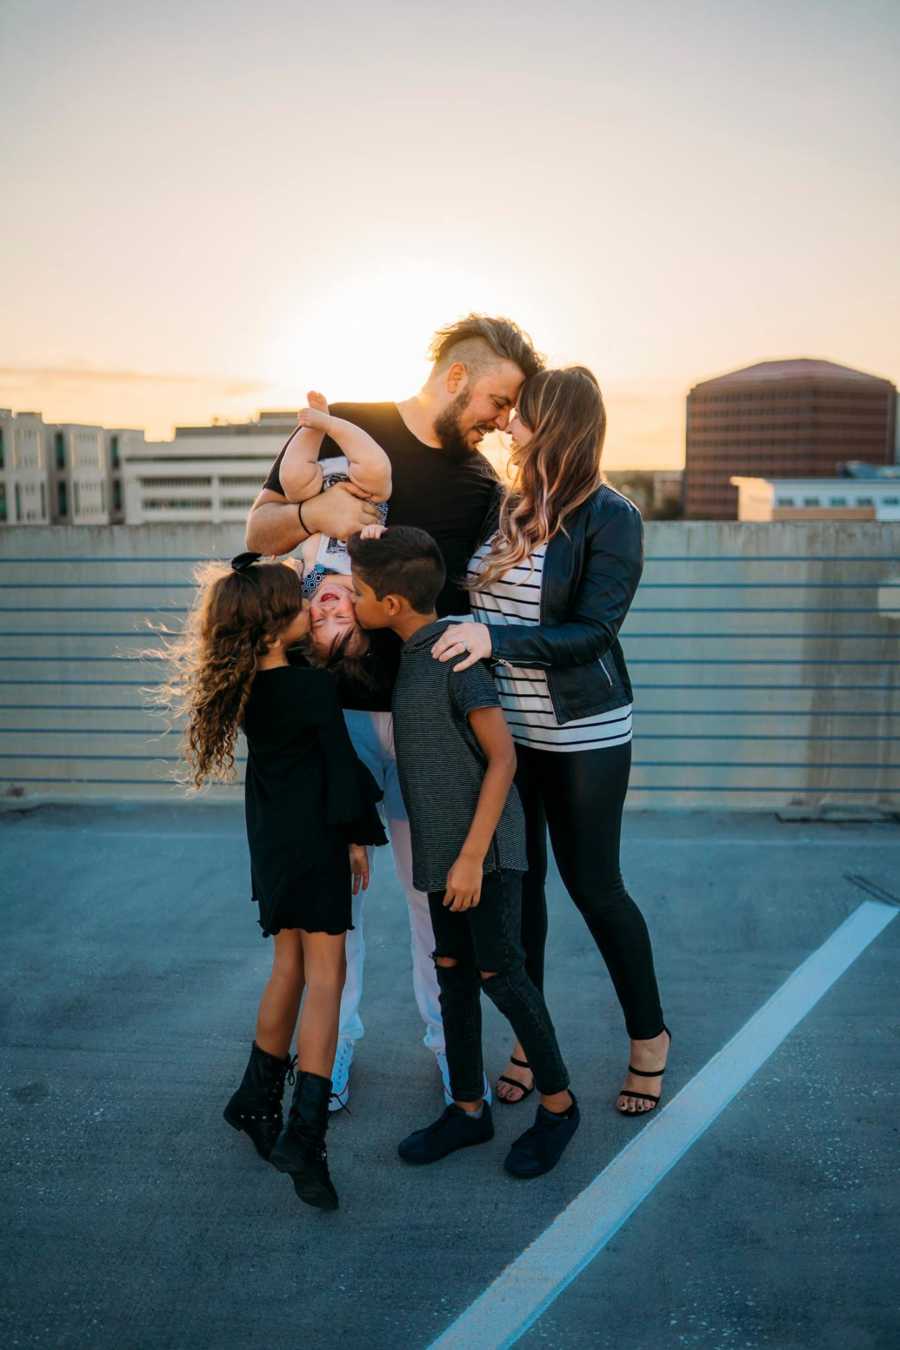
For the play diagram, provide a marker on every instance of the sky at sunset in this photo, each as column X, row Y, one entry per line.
column 210, row 208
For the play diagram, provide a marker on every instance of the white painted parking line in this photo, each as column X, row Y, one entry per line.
column 529, row 1285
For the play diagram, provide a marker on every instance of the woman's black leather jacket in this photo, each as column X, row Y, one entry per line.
column 591, row 573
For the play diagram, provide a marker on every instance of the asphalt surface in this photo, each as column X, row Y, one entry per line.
column 136, row 1218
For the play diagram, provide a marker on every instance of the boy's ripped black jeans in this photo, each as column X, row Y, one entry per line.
column 487, row 938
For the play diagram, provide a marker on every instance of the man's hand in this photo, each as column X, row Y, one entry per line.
column 340, row 511
column 463, row 890
column 359, row 867
column 472, row 641
column 273, row 526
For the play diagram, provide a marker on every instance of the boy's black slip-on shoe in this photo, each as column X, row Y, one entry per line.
column 453, row 1130
column 539, row 1149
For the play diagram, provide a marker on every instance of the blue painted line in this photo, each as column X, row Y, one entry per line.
column 751, row 736
column 69, row 560
column 748, row 712
column 692, row 713
column 714, row 787
column 58, row 659
column 647, row 585
column 713, row 635
column 682, row 765
column 735, row 661
column 718, row 634
column 138, row 731
column 780, row 688
column 636, row 609
column 764, row 585
column 694, row 688
column 747, row 764
column 130, row 633
column 106, row 759
column 743, row 610
column 97, row 586
column 772, row 557
column 142, row 782
column 638, row 736
column 531, row 1283
column 121, row 609
column 115, row 684
column 804, row 788
column 72, row 708
column 628, row 636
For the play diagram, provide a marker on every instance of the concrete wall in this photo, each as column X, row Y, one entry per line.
column 765, row 659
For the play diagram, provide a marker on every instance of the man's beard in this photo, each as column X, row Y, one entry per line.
column 448, row 430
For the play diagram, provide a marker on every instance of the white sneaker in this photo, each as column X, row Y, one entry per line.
column 444, row 1069
column 340, row 1075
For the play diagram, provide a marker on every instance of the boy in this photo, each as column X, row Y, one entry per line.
column 456, row 762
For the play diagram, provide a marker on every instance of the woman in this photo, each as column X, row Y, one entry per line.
column 550, row 591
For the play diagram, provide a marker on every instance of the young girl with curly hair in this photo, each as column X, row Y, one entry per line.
column 310, row 811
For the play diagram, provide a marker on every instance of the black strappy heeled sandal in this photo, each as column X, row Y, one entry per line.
column 645, row 1073
column 514, row 1082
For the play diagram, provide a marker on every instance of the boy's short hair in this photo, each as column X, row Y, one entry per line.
column 404, row 561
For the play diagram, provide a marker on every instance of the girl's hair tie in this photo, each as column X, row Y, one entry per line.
column 244, row 561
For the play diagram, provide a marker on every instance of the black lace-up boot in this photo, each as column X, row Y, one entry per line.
column 300, row 1150
column 256, row 1106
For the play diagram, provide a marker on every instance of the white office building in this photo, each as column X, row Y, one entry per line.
column 61, row 473
column 207, row 474
column 875, row 498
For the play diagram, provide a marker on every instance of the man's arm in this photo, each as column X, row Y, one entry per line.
column 273, row 525
column 464, row 879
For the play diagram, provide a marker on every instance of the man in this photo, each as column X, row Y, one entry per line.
column 443, row 485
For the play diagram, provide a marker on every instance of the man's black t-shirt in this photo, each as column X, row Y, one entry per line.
column 452, row 497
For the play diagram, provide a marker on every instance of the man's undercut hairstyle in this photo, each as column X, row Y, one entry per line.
column 480, row 342
column 404, row 561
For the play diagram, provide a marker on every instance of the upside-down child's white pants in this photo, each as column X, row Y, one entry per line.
column 372, row 734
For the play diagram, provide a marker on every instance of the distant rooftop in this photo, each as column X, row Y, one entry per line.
column 873, row 485
column 268, row 423
column 857, row 468
column 800, row 369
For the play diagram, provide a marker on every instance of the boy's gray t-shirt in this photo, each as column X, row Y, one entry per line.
column 441, row 765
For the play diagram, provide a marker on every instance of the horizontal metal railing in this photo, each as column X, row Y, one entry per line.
column 801, row 709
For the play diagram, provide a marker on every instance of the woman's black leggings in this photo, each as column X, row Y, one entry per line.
column 580, row 797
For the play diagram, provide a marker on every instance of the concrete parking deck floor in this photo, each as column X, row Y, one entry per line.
column 136, row 1218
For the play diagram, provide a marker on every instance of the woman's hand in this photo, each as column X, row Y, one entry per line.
column 359, row 867
column 472, row 641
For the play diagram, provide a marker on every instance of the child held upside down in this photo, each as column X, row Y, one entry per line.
column 333, row 631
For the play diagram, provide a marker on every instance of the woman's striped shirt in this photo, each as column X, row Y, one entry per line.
column 524, row 693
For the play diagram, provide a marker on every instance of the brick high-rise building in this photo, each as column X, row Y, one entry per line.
column 781, row 419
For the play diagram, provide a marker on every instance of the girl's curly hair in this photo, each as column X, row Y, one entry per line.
column 235, row 618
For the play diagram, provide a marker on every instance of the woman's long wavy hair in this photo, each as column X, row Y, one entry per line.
column 556, row 472
column 235, row 618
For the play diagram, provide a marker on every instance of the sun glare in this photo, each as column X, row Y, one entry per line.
column 366, row 337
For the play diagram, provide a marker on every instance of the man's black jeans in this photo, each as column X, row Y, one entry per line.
column 487, row 938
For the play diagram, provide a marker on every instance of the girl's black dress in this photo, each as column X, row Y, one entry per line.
column 307, row 796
